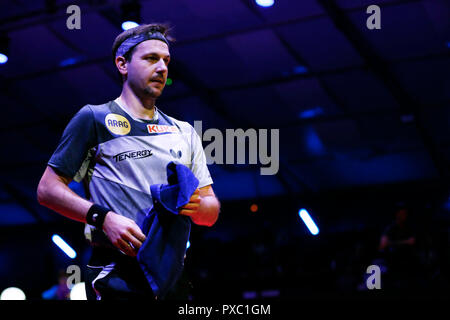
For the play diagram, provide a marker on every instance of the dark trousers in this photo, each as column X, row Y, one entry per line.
column 111, row 275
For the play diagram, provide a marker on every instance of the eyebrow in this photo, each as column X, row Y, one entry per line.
column 155, row 54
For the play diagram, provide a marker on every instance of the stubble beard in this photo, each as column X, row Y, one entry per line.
column 151, row 93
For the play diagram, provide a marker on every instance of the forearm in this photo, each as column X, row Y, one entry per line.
column 56, row 195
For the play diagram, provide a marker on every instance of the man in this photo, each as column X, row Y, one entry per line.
column 398, row 247
column 118, row 150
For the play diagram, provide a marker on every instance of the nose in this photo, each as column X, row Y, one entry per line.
column 161, row 66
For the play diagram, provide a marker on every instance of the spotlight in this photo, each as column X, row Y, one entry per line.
column 64, row 246
column 3, row 58
column 4, row 49
column 78, row 292
column 129, row 25
column 131, row 14
column 12, row 293
column 312, row 227
column 265, row 3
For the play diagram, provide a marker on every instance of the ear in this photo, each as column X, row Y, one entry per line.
column 122, row 65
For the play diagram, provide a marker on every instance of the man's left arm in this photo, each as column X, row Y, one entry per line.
column 203, row 207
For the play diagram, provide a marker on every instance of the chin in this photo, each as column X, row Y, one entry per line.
column 153, row 93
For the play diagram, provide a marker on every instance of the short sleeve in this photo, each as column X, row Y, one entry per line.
column 198, row 158
column 77, row 139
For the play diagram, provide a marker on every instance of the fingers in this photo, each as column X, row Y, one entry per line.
column 135, row 237
column 195, row 198
column 126, row 248
column 123, row 233
column 189, row 213
column 137, row 233
column 135, row 243
column 191, row 206
column 190, row 209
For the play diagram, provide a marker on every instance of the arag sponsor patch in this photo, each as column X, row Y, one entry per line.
column 117, row 124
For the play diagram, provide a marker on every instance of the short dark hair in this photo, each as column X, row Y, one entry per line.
column 163, row 28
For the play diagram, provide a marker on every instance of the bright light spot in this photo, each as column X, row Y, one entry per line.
column 265, row 3
column 3, row 58
column 129, row 25
column 254, row 208
column 308, row 221
column 188, row 244
column 169, row 81
column 12, row 293
column 64, row 246
column 78, row 292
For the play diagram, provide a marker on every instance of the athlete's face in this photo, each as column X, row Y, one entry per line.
column 148, row 68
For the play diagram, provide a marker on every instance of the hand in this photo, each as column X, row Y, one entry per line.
column 203, row 207
column 123, row 233
column 191, row 208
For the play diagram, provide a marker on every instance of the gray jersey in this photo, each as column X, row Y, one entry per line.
column 118, row 157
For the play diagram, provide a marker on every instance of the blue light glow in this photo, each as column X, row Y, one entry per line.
column 312, row 142
column 68, row 62
column 300, row 70
column 310, row 224
column 311, row 113
column 64, row 246
column 188, row 244
column 265, row 3
column 129, row 25
column 3, row 58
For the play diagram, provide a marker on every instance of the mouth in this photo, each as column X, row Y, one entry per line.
column 158, row 81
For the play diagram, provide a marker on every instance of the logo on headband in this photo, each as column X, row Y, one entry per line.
column 117, row 124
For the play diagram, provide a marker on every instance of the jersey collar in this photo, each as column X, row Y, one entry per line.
column 155, row 114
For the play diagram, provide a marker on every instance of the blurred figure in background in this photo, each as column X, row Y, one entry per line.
column 398, row 250
column 59, row 291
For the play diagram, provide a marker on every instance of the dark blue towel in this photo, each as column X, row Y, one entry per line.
column 161, row 256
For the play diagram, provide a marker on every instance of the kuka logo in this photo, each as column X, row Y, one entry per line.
column 117, row 124
column 157, row 128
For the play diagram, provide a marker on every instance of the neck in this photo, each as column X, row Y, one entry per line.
column 139, row 107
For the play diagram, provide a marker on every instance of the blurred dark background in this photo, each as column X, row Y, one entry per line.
column 364, row 132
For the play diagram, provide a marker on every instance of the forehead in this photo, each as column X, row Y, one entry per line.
column 152, row 46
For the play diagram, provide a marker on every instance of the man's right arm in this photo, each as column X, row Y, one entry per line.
column 53, row 192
